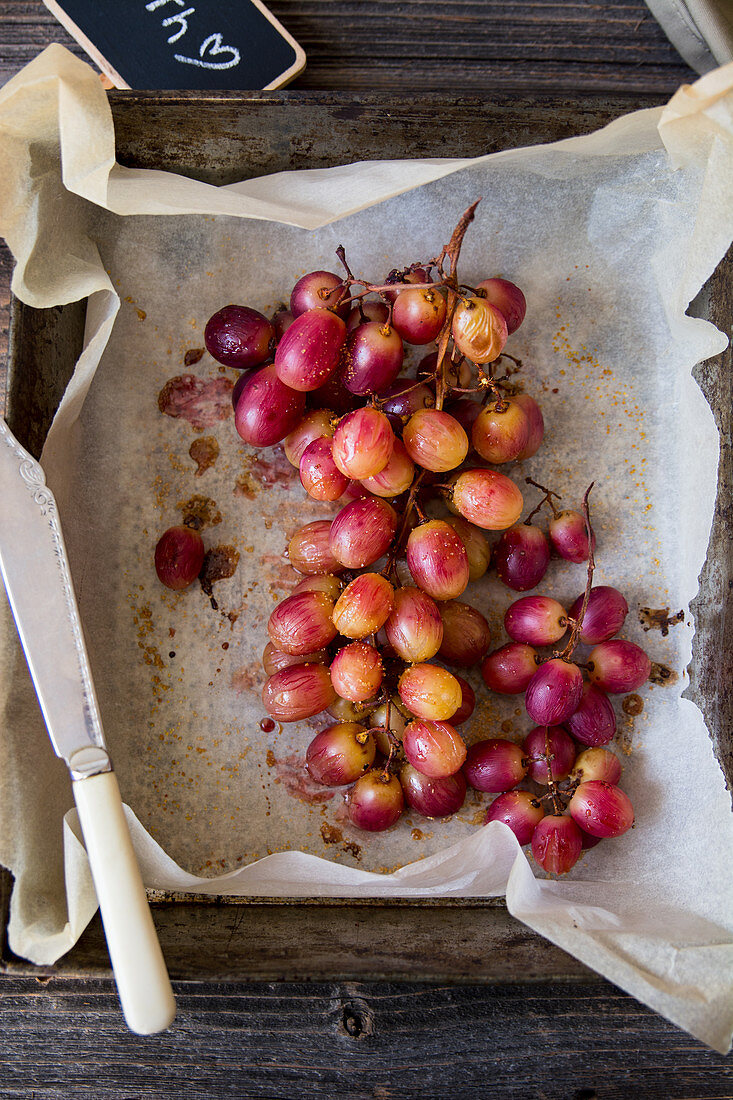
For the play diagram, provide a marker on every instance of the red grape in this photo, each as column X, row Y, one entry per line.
column 561, row 753
column 554, row 692
column 479, row 330
column 476, row 544
column 618, row 666
column 309, row 549
column 468, row 703
column 281, row 321
column 536, row 424
column 239, row 387
column 302, row 623
column 437, row 559
column 601, row 809
column 298, row 692
column 522, row 557
column 509, row 669
column 432, row 797
column 435, row 440
column 536, row 620
column 466, row 413
column 238, row 336
column 356, row 672
column 267, row 409
column 396, row 477
column 375, row 802
column 372, row 358
column 309, row 351
column 597, row 764
column 501, row 431
column 495, row 765
column 364, row 606
column 604, row 615
column 414, row 629
column 569, row 536
column 362, row 443
column 307, row 294
column 404, row 397
column 487, row 498
column 430, row 691
column 340, row 754
column 418, row 315
column 319, row 475
column 594, row 721
column 273, row 659
column 362, row 532
column 507, row 298
column 466, row 634
column 434, row 748
column 367, row 311
column 556, row 844
column 179, row 556
column 519, row 810
column 316, row 424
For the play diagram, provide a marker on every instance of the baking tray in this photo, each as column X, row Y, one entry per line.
column 221, row 138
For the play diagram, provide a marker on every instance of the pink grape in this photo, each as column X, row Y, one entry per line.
column 298, row 692
column 238, row 336
column 362, row 443
column 601, row 809
column 554, row 692
column 437, row 559
column 561, row 753
column 536, row 424
column 594, row 721
column 509, row 669
column 397, row 475
column 322, row 582
column 302, row 623
column 536, row 620
column 362, row 532
column 306, row 293
column 309, row 352
column 418, row 315
column 519, row 810
column 495, row 765
column 569, row 537
column 598, row 764
column 364, row 606
column 522, row 556
column 429, row 691
column 414, row 628
column 468, row 703
column 375, row 802
column 435, row 440
column 369, row 311
column 501, row 431
column 604, row 616
column 357, row 671
column 179, row 555
column 507, row 298
column 319, row 475
column 273, row 659
column 340, row 754
column 267, row 409
column 476, row 544
column 435, row 748
column 432, row 797
column 309, row 549
column 372, row 358
column 466, row 634
column 316, row 424
column 479, row 330
column 618, row 666
column 556, row 844
column 487, row 498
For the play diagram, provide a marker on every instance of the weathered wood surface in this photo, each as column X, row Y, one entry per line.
column 457, row 45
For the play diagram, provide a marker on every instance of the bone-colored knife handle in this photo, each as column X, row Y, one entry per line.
column 137, row 960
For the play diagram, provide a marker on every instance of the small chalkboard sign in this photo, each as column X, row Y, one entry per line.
column 179, row 44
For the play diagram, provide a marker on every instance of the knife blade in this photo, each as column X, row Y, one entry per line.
column 37, row 578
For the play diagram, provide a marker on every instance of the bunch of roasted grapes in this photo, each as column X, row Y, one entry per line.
column 379, row 603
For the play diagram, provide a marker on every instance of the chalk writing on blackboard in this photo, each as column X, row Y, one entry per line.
column 213, row 43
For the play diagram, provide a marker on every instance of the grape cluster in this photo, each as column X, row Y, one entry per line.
column 379, row 602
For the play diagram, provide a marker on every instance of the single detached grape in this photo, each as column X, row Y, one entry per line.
column 569, row 537
column 372, row 358
column 298, row 692
column 509, row 669
column 522, row 556
column 618, row 666
column 554, row 692
column 364, row 606
column 302, row 623
column 375, row 802
column 319, row 290
column 601, row 809
column 476, row 544
column 594, row 721
column 267, row 409
column 357, row 671
column 238, row 336
column 340, row 754
column 362, row 532
column 519, row 810
column 316, row 424
column 432, row 797
column 362, row 443
column 501, row 431
column 435, row 748
column 479, row 330
column 495, row 765
column 487, row 498
column 435, row 440
column 273, row 659
column 414, row 629
column 507, row 298
column 429, row 691
column 466, row 634
column 556, row 844
column 179, row 556
column 536, row 620
column 309, row 550
column 604, row 616
column 437, row 559
column 418, row 315
column 551, row 753
column 596, row 764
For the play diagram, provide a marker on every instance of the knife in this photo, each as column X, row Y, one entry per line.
column 35, row 570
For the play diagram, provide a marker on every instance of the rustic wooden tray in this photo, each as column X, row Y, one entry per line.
column 221, row 138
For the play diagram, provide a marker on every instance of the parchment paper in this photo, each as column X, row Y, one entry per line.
column 610, row 236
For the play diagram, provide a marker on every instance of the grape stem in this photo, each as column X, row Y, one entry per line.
column 450, row 252
column 578, row 624
column 551, row 786
column 547, row 499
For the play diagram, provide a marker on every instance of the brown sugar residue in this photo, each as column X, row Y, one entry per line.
column 141, row 314
column 245, row 486
column 192, row 356
column 331, row 834
column 204, row 451
column 659, row 619
column 291, row 772
column 200, row 512
column 246, row 679
column 201, row 401
column 632, row 705
column 417, row 834
column 271, row 759
column 219, row 563
column 352, row 848
column 662, row 675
